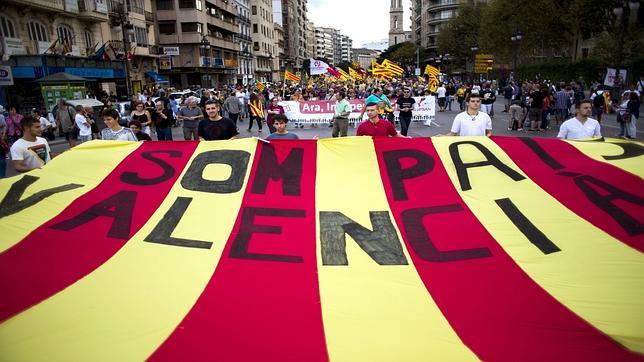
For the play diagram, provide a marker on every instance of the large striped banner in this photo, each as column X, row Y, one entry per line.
column 352, row 249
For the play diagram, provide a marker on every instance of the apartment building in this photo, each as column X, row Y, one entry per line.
column 200, row 36
column 263, row 35
column 246, row 62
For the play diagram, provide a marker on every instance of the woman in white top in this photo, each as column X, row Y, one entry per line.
column 114, row 131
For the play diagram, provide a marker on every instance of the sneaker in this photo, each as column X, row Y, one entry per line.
column 509, row 128
column 520, row 129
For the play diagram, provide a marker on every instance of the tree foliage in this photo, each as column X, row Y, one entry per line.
column 458, row 35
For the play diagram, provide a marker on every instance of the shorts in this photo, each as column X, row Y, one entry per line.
column 85, row 138
column 534, row 115
column 70, row 136
column 441, row 102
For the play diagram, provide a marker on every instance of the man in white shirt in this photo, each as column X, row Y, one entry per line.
column 441, row 93
column 581, row 126
column 472, row 122
column 31, row 151
column 85, row 129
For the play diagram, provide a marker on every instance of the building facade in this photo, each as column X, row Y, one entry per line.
column 263, row 36
column 40, row 38
column 245, row 72
column 200, row 35
column 311, row 49
column 332, row 45
column 291, row 15
column 364, row 56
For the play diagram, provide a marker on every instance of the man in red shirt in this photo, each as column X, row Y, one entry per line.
column 375, row 126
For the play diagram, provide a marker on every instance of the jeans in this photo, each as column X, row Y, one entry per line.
column 190, row 133
column 164, row 134
column 449, row 103
column 3, row 167
column 405, row 120
column 486, row 108
column 258, row 120
column 233, row 117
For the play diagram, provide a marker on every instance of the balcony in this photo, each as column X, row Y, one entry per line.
column 47, row 5
column 443, row 5
column 149, row 17
column 92, row 10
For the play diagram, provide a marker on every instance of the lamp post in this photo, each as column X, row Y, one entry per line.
column 270, row 62
column 474, row 48
column 515, row 39
column 123, row 26
column 204, row 50
column 625, row 12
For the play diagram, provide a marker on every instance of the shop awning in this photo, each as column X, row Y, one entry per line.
column 156, row 77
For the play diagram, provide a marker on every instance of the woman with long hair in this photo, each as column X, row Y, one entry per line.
column 139, row 113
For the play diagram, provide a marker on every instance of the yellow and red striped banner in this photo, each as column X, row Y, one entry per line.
column 357, row 249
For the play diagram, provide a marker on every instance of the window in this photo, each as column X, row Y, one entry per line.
column 65, row 34
column 141, row 36
column 254, row 28
column 37, row 31
column 165, row 4
column 167, row 28
column 254, row 9
column 89, row 41
column 187, row 4
column 136, row 6
column 191, row 28
column 7, row 29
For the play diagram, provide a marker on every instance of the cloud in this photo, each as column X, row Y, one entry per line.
column 363, row 21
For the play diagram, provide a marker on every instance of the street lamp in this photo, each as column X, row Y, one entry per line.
column 118, row 25
column 515, row 39
column 625, row 12
column 474, row 48
column 204, row 49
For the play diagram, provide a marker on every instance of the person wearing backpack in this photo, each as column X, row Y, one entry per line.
column 598, row 102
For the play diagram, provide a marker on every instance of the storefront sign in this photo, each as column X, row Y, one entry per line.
column 5, row 75
column 14, row 46
column 170, row 50
column 165, row 63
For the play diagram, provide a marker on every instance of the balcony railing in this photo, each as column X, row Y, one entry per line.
column 149, row 16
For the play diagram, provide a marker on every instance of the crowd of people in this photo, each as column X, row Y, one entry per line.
column 219, row 114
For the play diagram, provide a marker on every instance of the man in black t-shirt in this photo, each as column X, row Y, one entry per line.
column 405, row 106
column 163, row 119
column 536, row 107
column 216, row 127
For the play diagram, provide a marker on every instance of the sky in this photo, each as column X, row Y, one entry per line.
column 364, row 21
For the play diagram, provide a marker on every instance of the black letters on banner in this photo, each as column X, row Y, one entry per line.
column 491, row 160
column 527, row 228
column 133, row 178
column 237, row 160
column 541, row 153
column 422, row 243
column 119, row 207
column 606, row 202
column 162, row 233
column 397, row 175
column 12, row 204
column 382, row 244
column 247, row 228
column 289, row 171
column 630, row 150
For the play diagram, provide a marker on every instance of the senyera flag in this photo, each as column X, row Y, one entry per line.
column 352, row 249
column 290, row 76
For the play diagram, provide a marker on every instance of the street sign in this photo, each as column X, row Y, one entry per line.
column 417, row 71
column 5, row 75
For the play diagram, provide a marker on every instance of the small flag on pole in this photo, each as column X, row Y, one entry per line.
column 260, row 86
column 431, row 70
column 290, row 76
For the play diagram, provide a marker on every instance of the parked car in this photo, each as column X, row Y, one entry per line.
column 124, row 110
